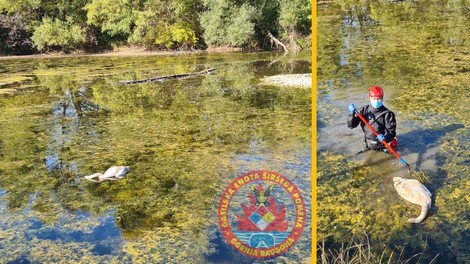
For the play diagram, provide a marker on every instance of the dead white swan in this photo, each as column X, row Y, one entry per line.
column 415, row 192
column 111, row 174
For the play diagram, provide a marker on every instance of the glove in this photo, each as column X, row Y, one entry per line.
column 352, row 109
column 380, row 137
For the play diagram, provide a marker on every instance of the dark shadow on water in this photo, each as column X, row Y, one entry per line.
column 21, row 260
column 100, row 250
column 224, row 251
column 48, row 235
column 101, row 233
column 320, row 124
column 107, row 233
column 36, row 224
column 421, row 140
column 444, row 256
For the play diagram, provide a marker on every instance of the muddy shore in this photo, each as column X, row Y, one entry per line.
column 122, row 52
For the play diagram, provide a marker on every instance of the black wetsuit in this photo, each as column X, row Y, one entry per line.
column 381, row 119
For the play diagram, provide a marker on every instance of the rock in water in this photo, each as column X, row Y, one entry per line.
column 414, row 192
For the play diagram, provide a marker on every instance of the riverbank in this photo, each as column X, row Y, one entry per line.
column 126, row 51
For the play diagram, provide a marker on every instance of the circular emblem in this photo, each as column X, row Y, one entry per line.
column 261, row 214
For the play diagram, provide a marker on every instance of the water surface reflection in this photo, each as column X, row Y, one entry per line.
column 418, row 52
column 184, row 140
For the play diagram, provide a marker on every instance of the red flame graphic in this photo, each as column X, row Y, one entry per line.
column 279, row 224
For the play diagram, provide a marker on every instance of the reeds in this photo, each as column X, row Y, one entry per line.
column 359, row 252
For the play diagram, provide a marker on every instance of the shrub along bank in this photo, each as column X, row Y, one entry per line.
column 28, row 26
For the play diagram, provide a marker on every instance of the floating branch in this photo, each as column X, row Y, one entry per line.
column 163, row 78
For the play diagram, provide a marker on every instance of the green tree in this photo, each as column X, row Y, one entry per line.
column 18, row 6
column 167, row 24
column 295, row 19
column 266, row 17
column 227, row 23
column 112, row 17
column 161, row 24
column 55, row 33
column 239, row 23
column 58, row 24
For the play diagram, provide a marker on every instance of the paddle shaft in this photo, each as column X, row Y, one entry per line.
column 383, row 141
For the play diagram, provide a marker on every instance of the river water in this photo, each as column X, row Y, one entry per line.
column 185, row 140
column 419, row 52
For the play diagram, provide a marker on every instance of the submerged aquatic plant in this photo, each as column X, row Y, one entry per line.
column 419, row 53
column 173, row 134
column 352, row 200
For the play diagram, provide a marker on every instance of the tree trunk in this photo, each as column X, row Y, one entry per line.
column 277, row 42
column 163, row 78
column 293, row 39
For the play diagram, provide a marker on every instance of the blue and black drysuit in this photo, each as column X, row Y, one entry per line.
column 381, row 119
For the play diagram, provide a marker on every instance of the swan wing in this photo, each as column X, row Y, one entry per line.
column 123, row 170
column 111, row 171
column 116, row 171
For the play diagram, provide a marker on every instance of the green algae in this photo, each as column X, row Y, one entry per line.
column 352, row 201
column 452, row 197
column 13, row 79
column 183, row 140
column 7, row 91
column 421, row 60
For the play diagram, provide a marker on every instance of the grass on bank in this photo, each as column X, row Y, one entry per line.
column 359, row 252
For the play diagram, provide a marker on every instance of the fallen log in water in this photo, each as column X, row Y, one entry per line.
column 168, row 77
column 277, row 42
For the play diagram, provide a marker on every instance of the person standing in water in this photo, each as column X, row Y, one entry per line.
column 379, row 117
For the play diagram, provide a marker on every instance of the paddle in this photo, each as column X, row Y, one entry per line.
column 413, row 170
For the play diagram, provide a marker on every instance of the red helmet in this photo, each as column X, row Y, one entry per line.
column 376, row 91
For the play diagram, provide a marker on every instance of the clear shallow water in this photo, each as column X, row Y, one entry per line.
column 419, row 53
column 185, row 140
